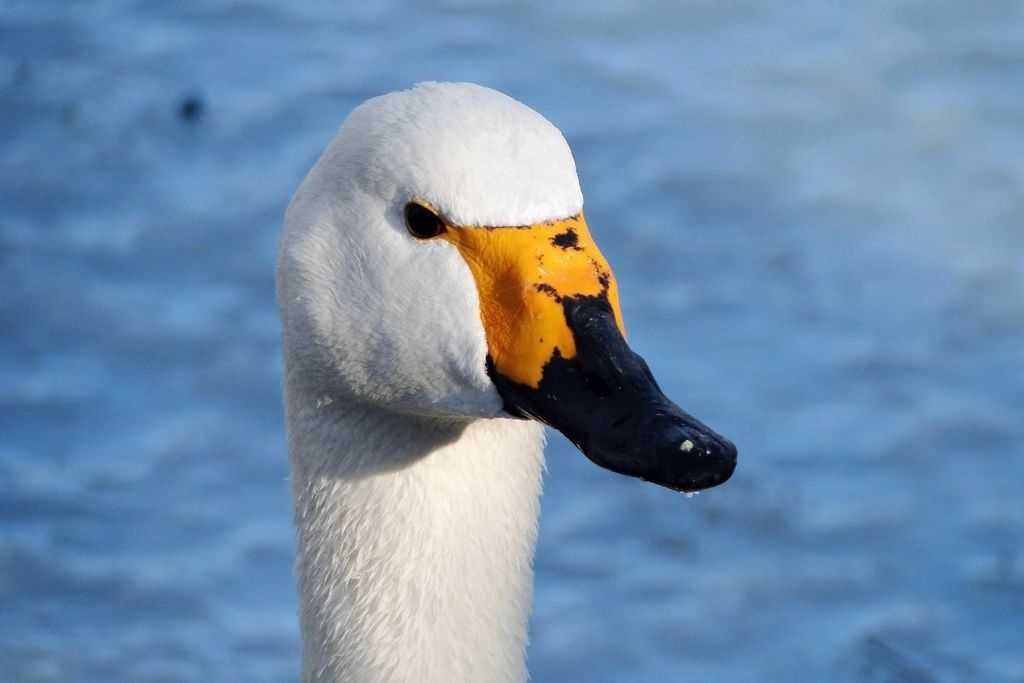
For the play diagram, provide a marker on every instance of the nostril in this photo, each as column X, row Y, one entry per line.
column 596, row 384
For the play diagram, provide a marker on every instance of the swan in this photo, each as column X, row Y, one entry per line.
column 442, row 299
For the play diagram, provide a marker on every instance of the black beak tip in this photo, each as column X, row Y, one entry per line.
column 622, row 421
column 681, row 457
column 696, row 463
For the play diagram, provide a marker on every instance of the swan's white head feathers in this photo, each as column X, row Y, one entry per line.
column 369, row 311
column 477, row 155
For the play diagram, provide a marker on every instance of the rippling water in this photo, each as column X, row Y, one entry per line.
column 816, row 214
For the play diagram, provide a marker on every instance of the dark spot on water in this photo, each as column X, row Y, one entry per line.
column 191, row 108
column 567, row 240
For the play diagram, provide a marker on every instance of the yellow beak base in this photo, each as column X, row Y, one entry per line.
column 523, row 274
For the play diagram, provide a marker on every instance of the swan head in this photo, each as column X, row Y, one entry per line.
column 436, row 261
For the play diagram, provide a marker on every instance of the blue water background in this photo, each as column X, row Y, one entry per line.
column 816, row 214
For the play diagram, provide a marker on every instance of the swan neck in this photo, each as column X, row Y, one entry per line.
column 415, row 538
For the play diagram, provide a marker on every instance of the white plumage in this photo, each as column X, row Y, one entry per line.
column 416, row 500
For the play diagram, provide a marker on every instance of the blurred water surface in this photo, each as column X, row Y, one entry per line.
column 816, row 214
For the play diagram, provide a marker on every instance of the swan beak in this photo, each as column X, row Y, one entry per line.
column 558, row 354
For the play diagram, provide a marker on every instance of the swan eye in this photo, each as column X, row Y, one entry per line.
column 422, row 222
